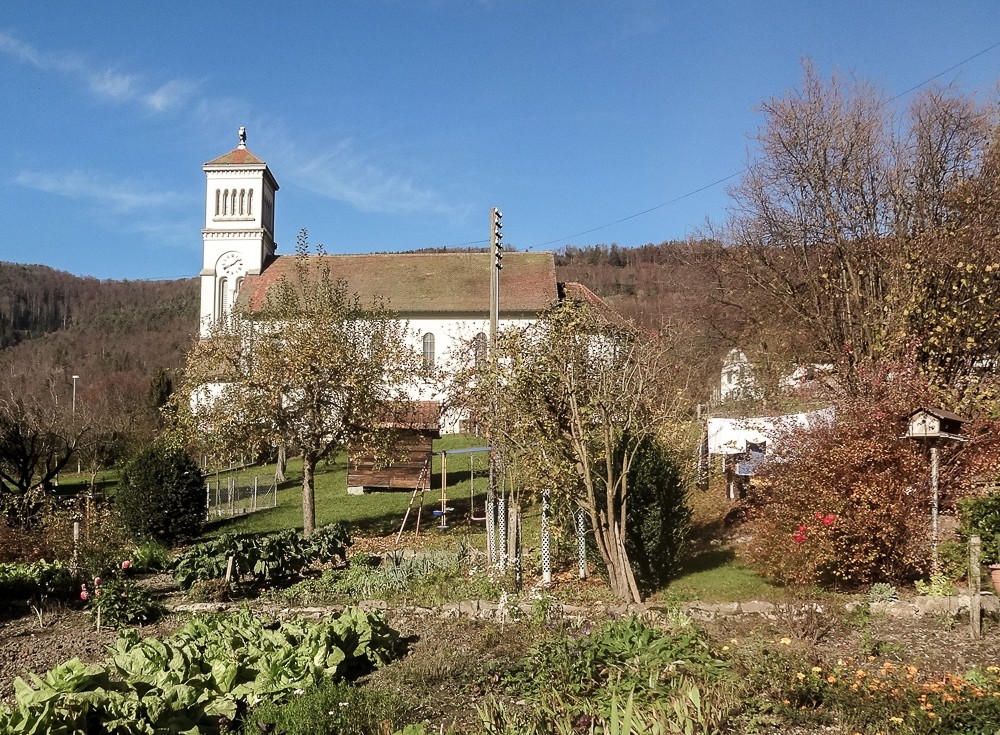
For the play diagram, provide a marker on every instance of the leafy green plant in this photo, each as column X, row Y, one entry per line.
column 150, row 557
column 161, row 496
column 28, row 583
column 202, row 677
column 331, row 708
column 882, row 592
column 622, row 656
column 937, row 586
column 260, row 557
column 684, row 713
column 982, row 516
column 119, row 601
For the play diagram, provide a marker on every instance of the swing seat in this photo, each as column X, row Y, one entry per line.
column 477, row 518
column 438, row 513
column 443, row 526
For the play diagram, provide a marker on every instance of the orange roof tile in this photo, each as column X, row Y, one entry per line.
column 238, row 156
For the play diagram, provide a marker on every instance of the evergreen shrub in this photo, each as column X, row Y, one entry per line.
column 658, row 516
column 162, row 496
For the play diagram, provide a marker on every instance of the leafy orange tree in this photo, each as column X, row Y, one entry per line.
column 312, row 370
column 849, row 504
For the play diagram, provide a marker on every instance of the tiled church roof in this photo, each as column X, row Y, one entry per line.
column 426, row 283
column 237, row 156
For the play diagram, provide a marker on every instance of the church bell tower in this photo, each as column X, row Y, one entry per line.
column 239, row 228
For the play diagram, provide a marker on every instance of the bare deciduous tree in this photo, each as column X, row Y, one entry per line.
column 569, row 401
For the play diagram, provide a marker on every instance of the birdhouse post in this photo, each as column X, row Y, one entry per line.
column 932, row 426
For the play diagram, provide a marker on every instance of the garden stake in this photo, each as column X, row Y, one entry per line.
column 546, row 540
column 581, row 542
column 975, row 619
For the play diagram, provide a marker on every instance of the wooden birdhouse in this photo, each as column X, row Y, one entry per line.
column 934, row 423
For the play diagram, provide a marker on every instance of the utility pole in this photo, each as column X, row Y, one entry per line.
column 496, row 543
column 496, row 257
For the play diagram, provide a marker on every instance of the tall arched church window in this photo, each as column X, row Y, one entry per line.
column 232, row 206
column 250, row 203
column 479, row 347
column 243, row 201
column 239, row 285
column 217, row 203
column 223, row 286
column 428, row 350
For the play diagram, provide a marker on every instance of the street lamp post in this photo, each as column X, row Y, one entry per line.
column 75, row 378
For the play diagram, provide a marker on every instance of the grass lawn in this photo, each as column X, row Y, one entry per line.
column 372, row 514
column 710, row 572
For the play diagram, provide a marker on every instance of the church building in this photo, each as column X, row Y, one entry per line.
column 444, row 297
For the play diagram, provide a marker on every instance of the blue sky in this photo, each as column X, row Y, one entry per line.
column 397, row 124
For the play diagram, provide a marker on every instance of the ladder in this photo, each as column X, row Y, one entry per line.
column 421, row 488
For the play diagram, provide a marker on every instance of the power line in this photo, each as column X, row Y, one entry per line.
column 744, row 169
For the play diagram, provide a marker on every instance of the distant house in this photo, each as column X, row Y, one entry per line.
column 444, row 297
column 737, row 381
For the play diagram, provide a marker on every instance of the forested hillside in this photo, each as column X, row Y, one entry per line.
column 124, row 340
column 671, row 288
column 85, row 324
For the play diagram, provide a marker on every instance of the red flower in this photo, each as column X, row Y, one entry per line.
column 829, row 519
column 819, row 516
column 802, row 529
column 798, row 537
column 83, row 594
column 126, row 564
column 97, row 581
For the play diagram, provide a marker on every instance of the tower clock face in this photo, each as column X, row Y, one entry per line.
column 231, row 264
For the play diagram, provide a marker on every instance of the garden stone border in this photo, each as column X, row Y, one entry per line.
column 953, row 606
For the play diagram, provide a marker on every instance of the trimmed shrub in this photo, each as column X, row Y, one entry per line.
column 162, row 496
column 657, row 517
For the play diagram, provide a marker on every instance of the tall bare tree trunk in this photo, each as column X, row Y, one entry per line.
column 281, row 464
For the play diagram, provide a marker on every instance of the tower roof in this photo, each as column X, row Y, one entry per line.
column 240, row 155
column 237, row 156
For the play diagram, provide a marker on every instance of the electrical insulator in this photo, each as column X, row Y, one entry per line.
column 497, row 236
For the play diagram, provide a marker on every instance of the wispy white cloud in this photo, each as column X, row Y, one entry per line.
column 103, row 81
column 342, row 172
column 19, row 50
column 347, row 175
column 113, row 84
column 170, row 95
column 94, row 188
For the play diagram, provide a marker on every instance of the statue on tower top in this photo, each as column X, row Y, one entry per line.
column 243, row 137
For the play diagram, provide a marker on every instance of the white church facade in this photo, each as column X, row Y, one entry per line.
column 444, row 297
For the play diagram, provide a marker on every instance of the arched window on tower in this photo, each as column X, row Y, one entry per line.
column 225, row 202
column 243, row 201
column 250, row 203
column 232, row 206
column 223, row 286
column 218, row 194
column 428, row 351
